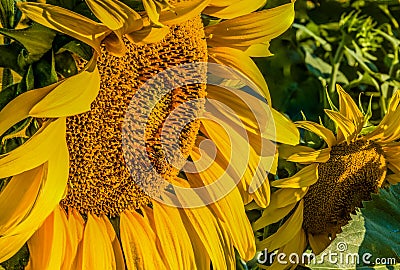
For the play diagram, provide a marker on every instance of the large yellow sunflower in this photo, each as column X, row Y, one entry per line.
column 335, row 180
column 78, row 206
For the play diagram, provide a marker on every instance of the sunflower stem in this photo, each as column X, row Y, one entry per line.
column 336, row 64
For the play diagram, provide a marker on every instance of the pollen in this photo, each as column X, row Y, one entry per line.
column 99, row 180
column 352, row 173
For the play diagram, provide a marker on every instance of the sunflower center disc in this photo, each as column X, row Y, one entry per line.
column 349, row 177
column 99, row 181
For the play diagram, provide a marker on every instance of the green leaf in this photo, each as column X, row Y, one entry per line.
column 9, row 55
column 374, row 232
column 65, row 64
column 7, row 13
column 7, row 94
column 321, row 69
column 36, row 39
column 365, row 64
column 29, row 79
column 6, row 78
column 45, row 71
column 304, row 29
column 79, row 48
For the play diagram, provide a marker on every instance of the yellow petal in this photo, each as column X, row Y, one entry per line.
column 349, row 109
column 232, row 217
column 52, row 190
column 393, row 179
column 392, row 154
column 116, row 15
column 286, row 131
column 237, row 224
column 18, row 109
column 239, row 61
column 274, row 167
column 34, row 152
column 270, row 216
column 282, row 202
column 319, row 130
column 258, row 50
column 10, row 244
column 72, row 96
column 258, row 118
column 287, row 232
column 319, row 156
column 175, row 242
column 285, row 151
column 25, row 187
column 191, row 196
column 202, row 262
column 222, row 3
column 234, row 9
column 391, row 149
column 295, row 246
column 67, row 22
column 148, row 35
column 250, row 167
column 97, row 251
column 393, row 162
column 202, row 222
column 227, row 141
column 347, row 127
column 183, row 11
column 394, row 168
column 303, row 178
column 118, row 255
column 153, row 11
column 261, row 195
column 286, row 196
column 218, row 180
column 246, row 197
column 47, row 245
column 388, row 130
column 139, row 243
column 63, row 98
column 251, row 29
column 75, row 228
column 115, row 45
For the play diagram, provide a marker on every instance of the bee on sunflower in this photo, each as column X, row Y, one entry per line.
column 318, row 200
column 78, row 206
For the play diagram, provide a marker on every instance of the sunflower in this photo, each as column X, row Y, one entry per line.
column 336, row 179
column 79, row 206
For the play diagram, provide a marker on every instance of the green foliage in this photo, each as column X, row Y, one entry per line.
column 36, row 39
column 354, row 43
column 9, row 56
column 9, row 16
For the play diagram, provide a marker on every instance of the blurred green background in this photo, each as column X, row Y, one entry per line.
column 353, row 43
